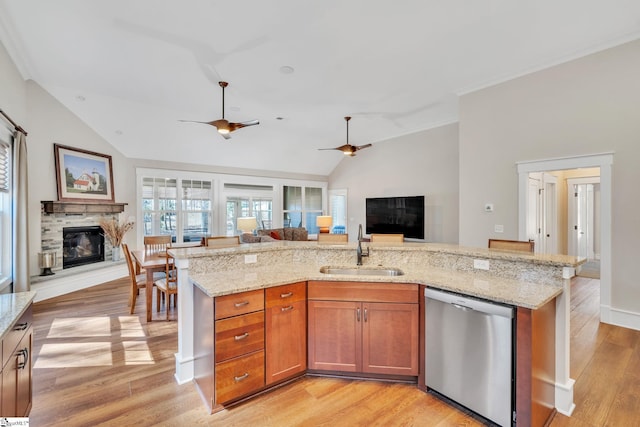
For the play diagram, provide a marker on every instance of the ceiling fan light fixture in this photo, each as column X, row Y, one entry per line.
column 223, row 130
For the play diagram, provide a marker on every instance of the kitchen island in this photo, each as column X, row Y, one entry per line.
column 535, row 284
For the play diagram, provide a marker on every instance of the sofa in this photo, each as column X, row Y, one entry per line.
column 274, row 234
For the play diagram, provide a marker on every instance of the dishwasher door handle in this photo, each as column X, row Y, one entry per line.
column 462, row 307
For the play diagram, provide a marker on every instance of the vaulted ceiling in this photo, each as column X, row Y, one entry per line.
column 131, row 69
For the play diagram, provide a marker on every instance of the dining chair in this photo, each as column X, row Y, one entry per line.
column 222, row 241
column 387, row 238
column 156, row 244
column 328, row 238
column 512, row 245
column 138, row 281
column 167, row 286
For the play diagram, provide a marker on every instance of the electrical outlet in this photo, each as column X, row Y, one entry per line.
column 481, row 264
column 250, row 259
column 498, row 228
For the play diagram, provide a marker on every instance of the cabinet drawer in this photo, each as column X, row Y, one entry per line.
column 285, row 294
column 15, row 334
column 363, row 291
column 239, row 335
column 240, row 376
column 236, row 304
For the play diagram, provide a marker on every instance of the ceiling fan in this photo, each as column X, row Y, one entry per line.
column 224, row 126
column 348, row 149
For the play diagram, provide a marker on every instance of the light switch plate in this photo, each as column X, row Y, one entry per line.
column 498, row 228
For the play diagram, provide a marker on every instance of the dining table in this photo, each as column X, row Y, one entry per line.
column 151, row 263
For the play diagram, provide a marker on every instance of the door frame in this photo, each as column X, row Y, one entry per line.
column 563, row 383
column 605, row 162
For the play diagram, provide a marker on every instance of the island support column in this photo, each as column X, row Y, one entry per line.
column 184, row 356
column 564, row 384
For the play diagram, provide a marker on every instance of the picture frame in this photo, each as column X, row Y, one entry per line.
column 82, row 175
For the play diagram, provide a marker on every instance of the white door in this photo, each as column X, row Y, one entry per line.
column 550, row 217
column 534, row 206
column 583, row 216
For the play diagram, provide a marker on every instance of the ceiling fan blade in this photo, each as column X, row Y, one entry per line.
column 360, row 147
column 236, row 126
column 222, row 123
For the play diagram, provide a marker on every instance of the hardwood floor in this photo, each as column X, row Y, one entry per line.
column 94, row 364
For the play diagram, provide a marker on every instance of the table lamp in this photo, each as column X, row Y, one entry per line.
column 324, row 222
column 247, row 224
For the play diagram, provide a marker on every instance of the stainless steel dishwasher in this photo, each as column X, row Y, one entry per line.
column 469, row 353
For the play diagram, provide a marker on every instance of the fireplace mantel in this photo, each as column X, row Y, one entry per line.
column 50, row 207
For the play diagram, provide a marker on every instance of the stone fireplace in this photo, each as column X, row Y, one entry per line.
column 56, row 227
column 82, row 245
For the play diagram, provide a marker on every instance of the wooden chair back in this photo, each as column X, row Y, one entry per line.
column 387, row 238
column 222, row 241
column 168, row 285
column 137, row 281
column 333, row 239
column 156, row 244
column 512, row 245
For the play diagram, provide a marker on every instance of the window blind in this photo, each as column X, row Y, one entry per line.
column 5, row 155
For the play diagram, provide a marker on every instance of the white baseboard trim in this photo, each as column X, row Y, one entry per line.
column 56, row 287
column 564, row 398
column 627, row 319
column 184, row 369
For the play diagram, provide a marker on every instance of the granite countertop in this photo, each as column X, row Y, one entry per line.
column 509, row 291
column 442, row 248
column 12, row 306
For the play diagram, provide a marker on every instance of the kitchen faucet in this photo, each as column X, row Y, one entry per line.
column 359, row 248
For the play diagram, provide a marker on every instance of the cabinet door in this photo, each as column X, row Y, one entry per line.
column 23, row 378
column 335, row 342
column 286, row 345
column 390, row 338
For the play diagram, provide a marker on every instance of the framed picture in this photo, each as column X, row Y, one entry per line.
column 83, row 175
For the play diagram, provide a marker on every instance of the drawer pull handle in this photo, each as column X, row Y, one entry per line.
column 25, row 354
column 287, row 308
column 241, row 377
column 21, row 326
column 287, row 295
column 241, row 304
column 241, row 337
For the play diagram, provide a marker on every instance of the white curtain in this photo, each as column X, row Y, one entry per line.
column 21, row 281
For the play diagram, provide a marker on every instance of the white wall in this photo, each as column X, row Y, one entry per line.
column 50, row 122
column 586, row 106
column 424, row 163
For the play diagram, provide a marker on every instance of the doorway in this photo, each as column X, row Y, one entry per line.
column 602, row 161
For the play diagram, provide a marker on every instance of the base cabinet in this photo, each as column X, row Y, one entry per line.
column 286, row 331
column 16, row 397
column 363, row 327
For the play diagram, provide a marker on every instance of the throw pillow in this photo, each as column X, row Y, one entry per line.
column 275, row 235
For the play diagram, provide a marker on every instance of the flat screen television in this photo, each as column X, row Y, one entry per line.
column 390, row 215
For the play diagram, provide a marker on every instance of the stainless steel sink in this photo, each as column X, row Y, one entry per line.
column 362, row 271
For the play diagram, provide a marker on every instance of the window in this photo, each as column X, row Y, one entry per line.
column 196, row 210
column 184, row 215
column 338, row 210
column 301, row 206
column 6, row 241
column 244, row 200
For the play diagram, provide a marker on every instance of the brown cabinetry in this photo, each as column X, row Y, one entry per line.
column 363, row 327
column 286, row 331
column 15, row 400
column 239, row 344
